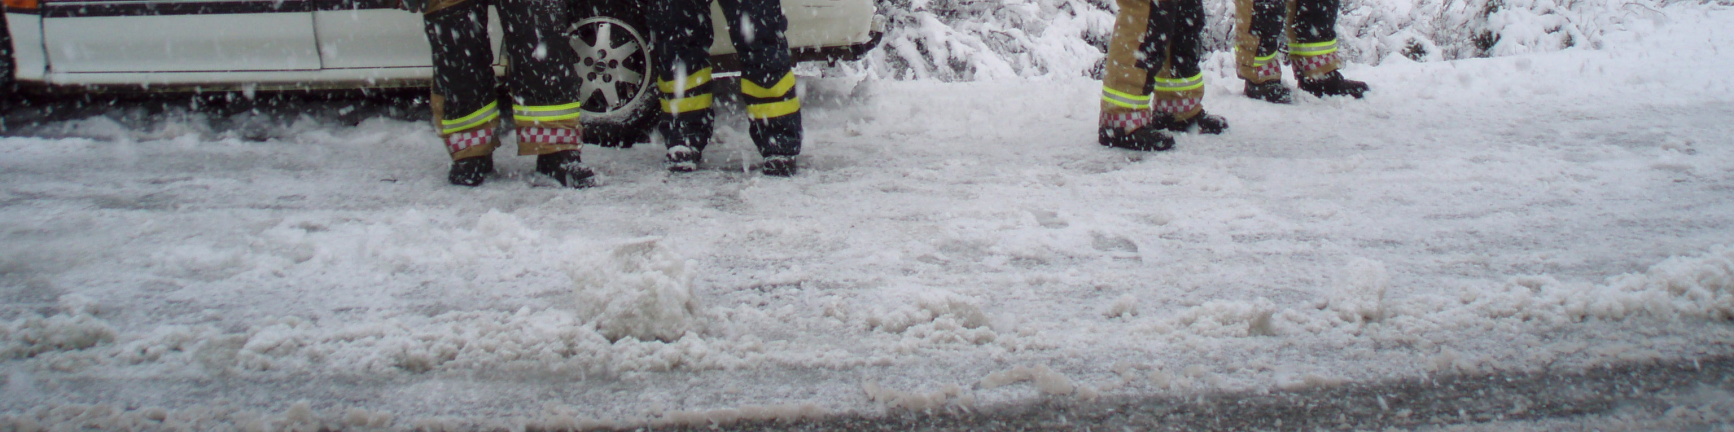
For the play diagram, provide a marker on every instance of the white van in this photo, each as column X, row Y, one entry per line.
column 270, row 45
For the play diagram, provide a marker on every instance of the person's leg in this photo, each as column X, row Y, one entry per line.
column 682, row 31
column 1312, row 47
column 465, row 106
column 767, row 80
column 1126, row 82
column 1312, row 50
column 1258, row 31
column 1179, row 84
column 544, row 84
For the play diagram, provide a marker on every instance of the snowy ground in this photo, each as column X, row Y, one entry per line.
column 946, row 246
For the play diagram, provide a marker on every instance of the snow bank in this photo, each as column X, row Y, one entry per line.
column 1699, row 287
column 964, row 40
column 548, row 340
column 1681, row 288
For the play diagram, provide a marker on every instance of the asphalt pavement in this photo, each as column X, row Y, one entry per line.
column 1687, row 395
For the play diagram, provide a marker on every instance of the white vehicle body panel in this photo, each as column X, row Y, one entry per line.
column 29, row 61
column 253, row 80
column 175, row 43
column 301, row 50
column 812, row 24
column 369, row 38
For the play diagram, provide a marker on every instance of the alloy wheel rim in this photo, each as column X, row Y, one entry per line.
column 614, row 62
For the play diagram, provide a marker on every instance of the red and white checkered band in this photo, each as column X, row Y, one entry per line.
column 1177, row 106
column 1304, row 64
column 551, row 135
column 1270, row 70
column 1127, row 121
column 462, row 140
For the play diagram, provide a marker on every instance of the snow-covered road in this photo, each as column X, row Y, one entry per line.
column 947, row 245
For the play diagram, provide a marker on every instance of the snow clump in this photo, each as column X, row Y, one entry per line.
column 948, row 396
column 1125, row 308
column 1047, row 381
column 1360, row 297
column 28, row 337
column 1222, row 318
column 640, row 290
column 75, row 328
column 928, row 306
column 1696, row 287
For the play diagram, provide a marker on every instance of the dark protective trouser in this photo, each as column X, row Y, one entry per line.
column 1261, row 27
column 683, row 35
column 540, row 76
column 1153, row 63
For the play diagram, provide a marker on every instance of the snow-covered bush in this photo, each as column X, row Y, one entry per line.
column 966, row 40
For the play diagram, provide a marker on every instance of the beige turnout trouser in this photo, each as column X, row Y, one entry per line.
column 1132, row 92
column 1262, row 27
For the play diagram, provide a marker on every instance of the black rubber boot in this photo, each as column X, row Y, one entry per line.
column 682, row 159
column 565, row 167
column 1270, row 91
column 1206, row 123
column 1333, row 84
column 779, row 166
column 1143, row 139
column 471, row 171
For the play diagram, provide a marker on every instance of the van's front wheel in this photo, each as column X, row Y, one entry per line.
column 619, row 91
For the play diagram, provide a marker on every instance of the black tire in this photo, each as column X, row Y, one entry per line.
column 619, row 93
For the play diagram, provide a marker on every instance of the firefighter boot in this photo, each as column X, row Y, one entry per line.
column 1269, row 91
column 683, row 159
column 1333, row 84
column 1142, row 139
column 779, row 166
column 565, row 167
column 1206, row 123
column 471, row 171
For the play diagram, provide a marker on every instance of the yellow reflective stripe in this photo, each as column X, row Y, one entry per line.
column 1134, row 104
column 486, row 114
column 774, row 109
column 1124, row 95
column 548, row 112
column 575, row 113
column 687, row 104
column 1125, row 105
column 1180, row 84
column 692, row 81
column 1313, row 49
column 1261, row 61
column 782, row 87
column 1123, row 99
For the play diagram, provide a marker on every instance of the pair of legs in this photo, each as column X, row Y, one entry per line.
column 683, row 34
column 544, row 86
column 1309, row 28
column 1152, row 81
